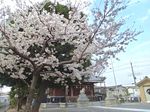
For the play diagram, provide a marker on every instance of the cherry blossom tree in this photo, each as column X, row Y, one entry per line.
column 40, row 43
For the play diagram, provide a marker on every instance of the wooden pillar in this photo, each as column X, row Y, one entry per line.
column 66, row 94
column 92, row 90
column 71, row 91
column 54, row 92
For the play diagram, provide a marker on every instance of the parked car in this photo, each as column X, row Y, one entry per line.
column 134, row 99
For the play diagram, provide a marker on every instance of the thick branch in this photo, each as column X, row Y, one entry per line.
column 91, row 38
column 22, row 80
column 95, row 32
column 7, row 37
column 61, row 63
column 16, row 51
column 44, row 46
column 25, row 82
column 4, row 53
column 23, row 56
column 4, row 47
column 67, row 62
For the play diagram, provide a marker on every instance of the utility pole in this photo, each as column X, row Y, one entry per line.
column 134, row 78
column 114, row 73
column 117, row 91
column 133, row 74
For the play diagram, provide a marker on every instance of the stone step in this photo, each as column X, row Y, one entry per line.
column 58, row 105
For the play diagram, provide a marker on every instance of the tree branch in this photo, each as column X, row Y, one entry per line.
column 25, row 82
column 14, row 49
column 61, row 63
column 95, row 32
column 44, row 46
column 92, row 37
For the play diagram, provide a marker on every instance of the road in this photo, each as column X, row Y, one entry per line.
column 128, row 107
column 3, row 109
column 97, row 110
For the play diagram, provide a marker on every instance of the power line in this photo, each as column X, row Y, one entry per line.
column 128, row 67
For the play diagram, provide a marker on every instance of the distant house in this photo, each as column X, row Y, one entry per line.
column 100, row 93
column 119, row 91
column 57, row 94
column 144, row 87
column 133, row 90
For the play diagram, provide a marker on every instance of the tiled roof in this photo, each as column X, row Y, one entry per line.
column 95, row 79
column 143, row 81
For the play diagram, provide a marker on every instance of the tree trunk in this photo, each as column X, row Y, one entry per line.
column 19, row 99
column 19, row 103
column 31, row 93
column 41, row 96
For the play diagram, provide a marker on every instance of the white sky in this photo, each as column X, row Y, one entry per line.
column 5, row 89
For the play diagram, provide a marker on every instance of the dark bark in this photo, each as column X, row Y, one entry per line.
column 41, row 96
column 19, row 103
column 31, row 93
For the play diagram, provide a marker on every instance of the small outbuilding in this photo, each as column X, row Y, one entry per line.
column 144, row 87
column 71, row 93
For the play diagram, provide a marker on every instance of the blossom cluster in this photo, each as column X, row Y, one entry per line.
column 60, row 46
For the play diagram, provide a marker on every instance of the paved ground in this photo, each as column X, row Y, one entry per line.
column 99, row 107
column 97, row 110
column 3, row 109
column 134, row 105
